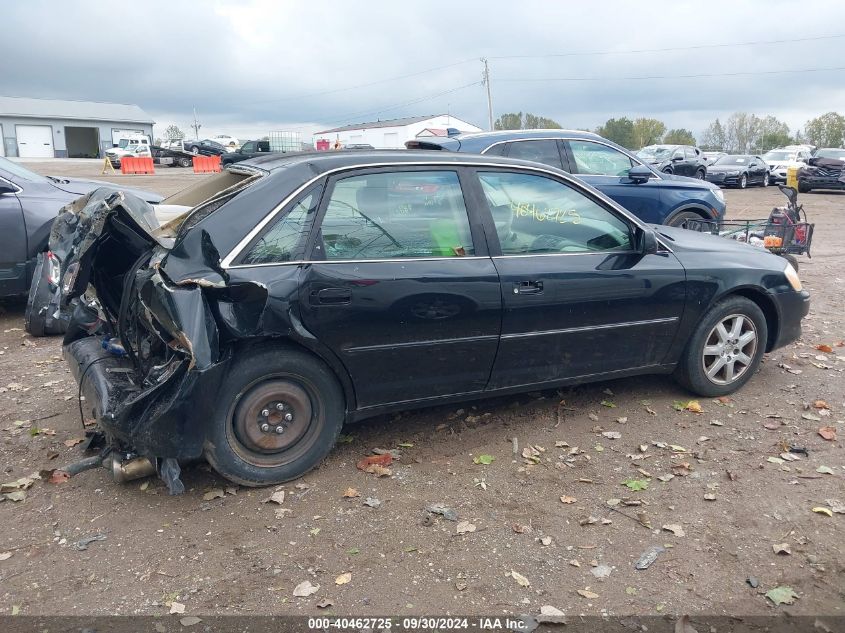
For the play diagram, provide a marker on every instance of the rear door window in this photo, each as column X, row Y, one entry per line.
column 286, row 238
column 394, row 215
column 539, row 151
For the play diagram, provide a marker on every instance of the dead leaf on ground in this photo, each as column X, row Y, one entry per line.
column 219, row 493
column 675, row 529
column 349, row 493
column 73, row 442
column 823, row 510
column 58, row 477
column 343, row 578
column 305, row 589
column 465, row 527
column 828, row 433
column 781, row 548
column 823, row 347
column 277, row 497
column 782, row 595
column 586, row 593
column 383, row 461
column 177, row 608
column 521, row 580
column 568, row 499
column 821, row 404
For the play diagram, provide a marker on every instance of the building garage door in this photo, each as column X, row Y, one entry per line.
column 34, row 141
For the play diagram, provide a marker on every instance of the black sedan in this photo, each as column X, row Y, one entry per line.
column 681, row 160
column 305, row 291
column 739, row 170
column 206, row 147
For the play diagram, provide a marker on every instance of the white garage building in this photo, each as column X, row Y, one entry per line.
column 52, row 128
column 392, row 133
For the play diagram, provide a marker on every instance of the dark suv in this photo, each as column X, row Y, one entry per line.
column 681, row 160
column 651, row 195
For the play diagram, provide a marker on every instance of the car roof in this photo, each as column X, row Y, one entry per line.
column 328, row 160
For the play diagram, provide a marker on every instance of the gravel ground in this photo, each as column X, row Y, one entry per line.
column 557, row 528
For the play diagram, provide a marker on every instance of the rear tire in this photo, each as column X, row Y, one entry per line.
column 35, row 315
column 725, row 349
column 185, row 162
column 680, row 219
column 765, row 180
column 299, row 394
column 701, row 174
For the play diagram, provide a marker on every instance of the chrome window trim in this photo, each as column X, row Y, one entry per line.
column 15, row 185
column 300, row 262
column 588, row 328
column 569, row 179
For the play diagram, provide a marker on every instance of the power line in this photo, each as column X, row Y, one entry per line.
column 696, row 76
column 367, row 85
column 666, row 50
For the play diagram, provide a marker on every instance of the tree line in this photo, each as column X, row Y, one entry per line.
column 740, row 133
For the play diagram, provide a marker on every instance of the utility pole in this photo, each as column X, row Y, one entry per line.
column 486, row 82
column 196, row 125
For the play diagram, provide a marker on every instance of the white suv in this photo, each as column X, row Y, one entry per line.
column 779, row 160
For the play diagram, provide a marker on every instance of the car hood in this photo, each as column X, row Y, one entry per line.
column 80, row 187
column 687, row 182
column 684, row 240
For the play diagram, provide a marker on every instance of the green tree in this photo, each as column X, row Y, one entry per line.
column 648, row 132
column 528, row 121
column 620, row 131
column 771, row 133
column 827, row 130
column 714, row 137
column 679, row 136
column 173, row 133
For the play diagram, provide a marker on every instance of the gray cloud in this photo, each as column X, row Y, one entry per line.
column 252, row 67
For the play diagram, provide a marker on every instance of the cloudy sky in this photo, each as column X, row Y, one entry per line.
column 254, row 66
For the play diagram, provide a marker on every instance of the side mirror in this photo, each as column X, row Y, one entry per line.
column 639, row 174
column 648, row 242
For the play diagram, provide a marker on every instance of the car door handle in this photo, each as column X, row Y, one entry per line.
column 527, row 287
column 332, row 296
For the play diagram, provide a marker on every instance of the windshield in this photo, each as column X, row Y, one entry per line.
column 19, row 172
column 733, row 160
column 123, row 143
column 658, row 152
column 831, row 153
column 776, row 156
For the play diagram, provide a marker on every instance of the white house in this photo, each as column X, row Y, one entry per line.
column 391, row 133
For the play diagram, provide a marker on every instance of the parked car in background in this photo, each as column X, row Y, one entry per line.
column 825, row 170
column 358, row 146
column 780, row 160
column 29, row 203
column 227, row 141
column 712, row 157
column 250, row 149
column 183, row 145
column 207, row 147
column 739, row 170
column 652, row 196
column 830, row 152
column 681, row 160
column 419, row 278
column 133, row 150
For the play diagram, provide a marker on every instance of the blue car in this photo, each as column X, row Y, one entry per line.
column 652, row 196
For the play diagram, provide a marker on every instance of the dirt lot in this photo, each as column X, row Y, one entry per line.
column 731, row 500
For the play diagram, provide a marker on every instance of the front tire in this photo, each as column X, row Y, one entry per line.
column 265, row 391
column 681, row 218
column 802, row 188
column 743, row 181
column 725, row 349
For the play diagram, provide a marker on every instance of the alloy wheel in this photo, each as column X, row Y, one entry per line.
column 743, row 181
column 730, row 349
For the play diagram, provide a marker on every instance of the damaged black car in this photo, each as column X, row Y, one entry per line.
column 823, row 172
column 289, row 295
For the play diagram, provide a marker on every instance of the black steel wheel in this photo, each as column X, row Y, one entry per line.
column 280, row 412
